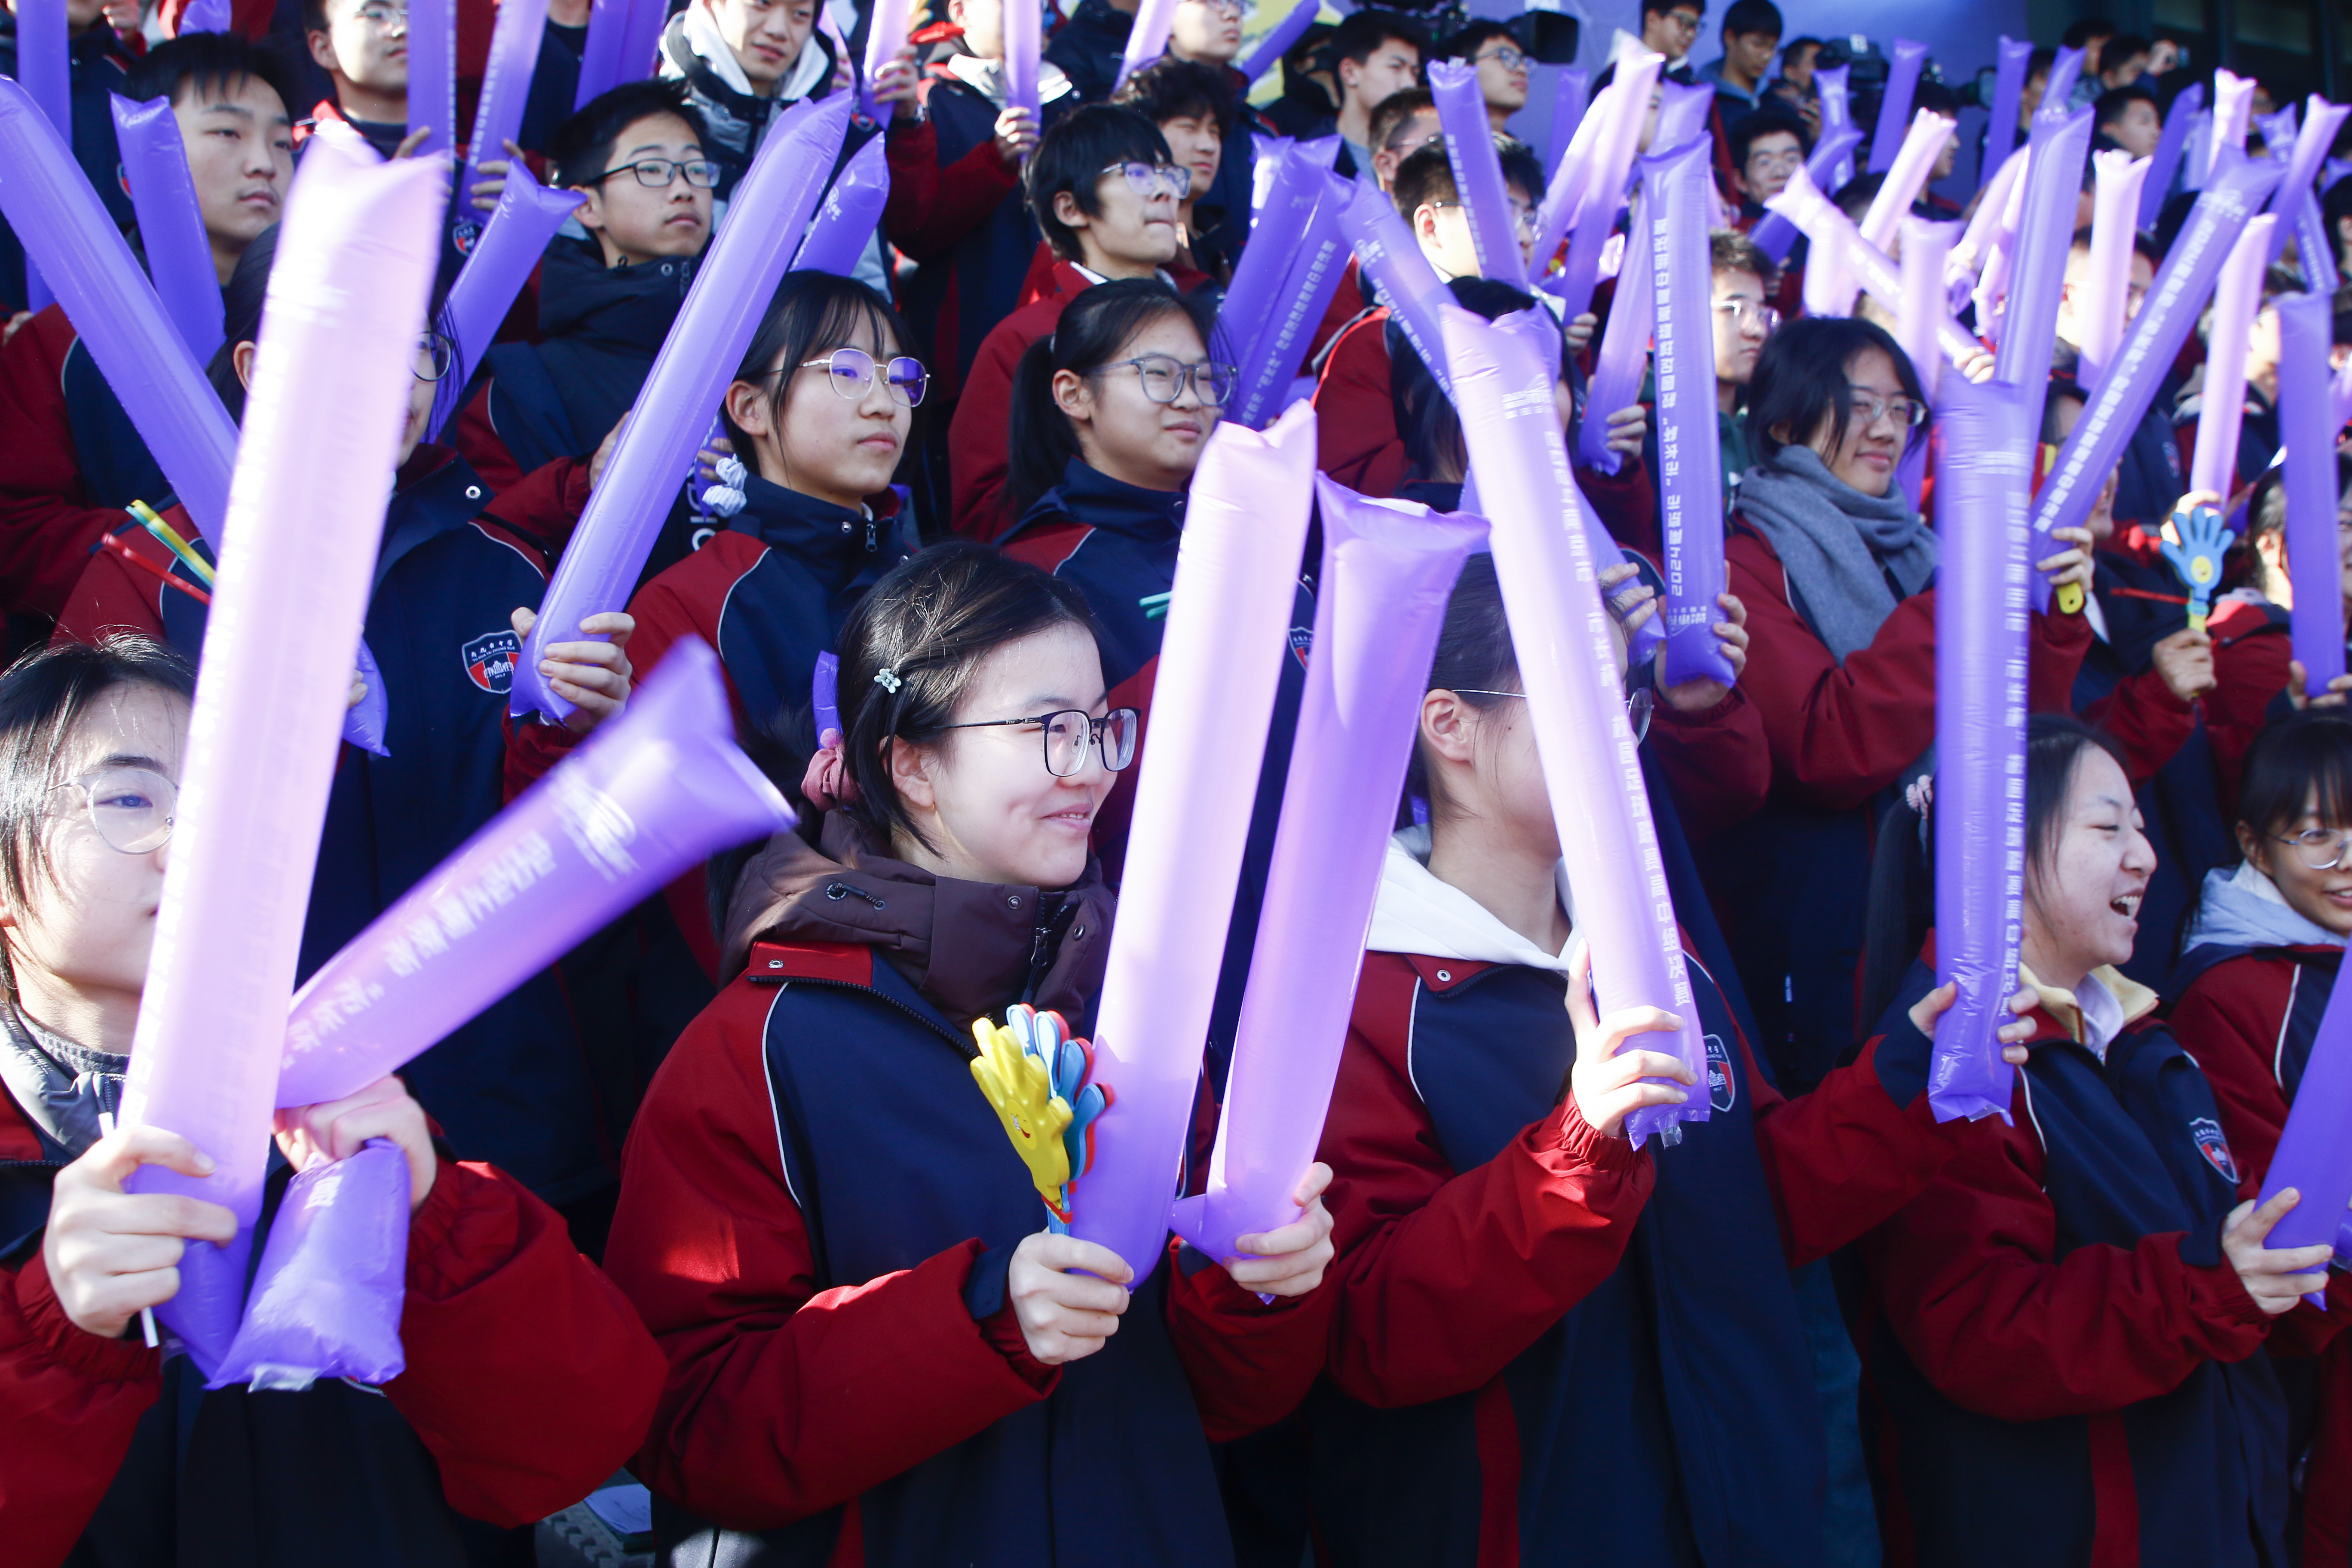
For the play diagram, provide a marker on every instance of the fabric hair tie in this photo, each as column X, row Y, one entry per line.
column 726, row 498
column 828, row 785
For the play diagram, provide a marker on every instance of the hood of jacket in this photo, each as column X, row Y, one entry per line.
column 2244, row 909
column 1418, row 913
column 628, row 307
column 694, row 48
column 970, row 948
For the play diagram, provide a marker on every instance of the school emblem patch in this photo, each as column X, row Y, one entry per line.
column 463, row 234
column 489, row 661
column 2206, row 1133
column 1722, row 1090
column 1302, row 643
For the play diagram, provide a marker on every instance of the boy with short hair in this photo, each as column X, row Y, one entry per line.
column 1373, row 53
column 1502, row 65
column 1751, row 37
column 1741, row 280
column 2126, row 117
column 363, row 46
column 1198, row 113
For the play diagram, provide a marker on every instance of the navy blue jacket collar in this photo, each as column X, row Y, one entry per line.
column 1092, row 497
column 626, row 307
column 833, row 540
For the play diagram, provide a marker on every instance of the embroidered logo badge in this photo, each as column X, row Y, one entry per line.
column 1302, row 643
column 1721, row 1089
column 489, row 661
column 2206, row 1133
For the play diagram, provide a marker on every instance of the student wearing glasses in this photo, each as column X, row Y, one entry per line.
column 1502, row 67
column 1742, row 284
column 362, row 47
column 527, row 1376
column 607, row 300
column 1107, row 192
column 1837, row 572
column 878, row 1353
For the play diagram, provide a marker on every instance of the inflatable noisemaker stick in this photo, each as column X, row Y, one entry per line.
column 2237, row 299
column 1021, row 49
column 1613, row 144
column 1682, row 114
column 1254, row 299
column 2312, row 248
column 1906, row 176
column 1620, row 362
column 44, row 75
column 2007, row 97
column 1774, row 234
column 1983, row 619
column 511, row 243
column 640, row 54
column 327, row 1299
column 1147, row 40
column 170, row 224
column 1971, row 257
column 1393, row 259
column 2065, row 70
column 1545, row 559
column 2306, row 419
column 2233, row 112
column 1564, row 192
column 600, row 54
column 2314, row 1148
column 845, row 219
column 1038, row 1081
column 1309, row 280
column 729, row 294
column 322, row 432
column 1278, row 41
column 1477, row 172
column 2151, row 342
column 2321, row 121
column 1388, row 571
column 652, row 792
column 1672, row 247
column 113, row 307
column 506, row 89
column 1571, row 93
column 1802, row 203
column 433, row 76
column 1228, row 630
column 2053, row 187
column 1836, row 90
column 2165, row 162
column 885, row 33
column 2106, row 283
column 1895, row 124
column 1927, row 248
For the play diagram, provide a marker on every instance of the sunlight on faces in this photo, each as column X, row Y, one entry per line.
column 1483, row 762
column 982, row 22
column 838, row 450
column 1195, row 142
column 88, row 921
column 766, row 36
column 2083, row 894
column 1771, row 159
column 636, row 223
column 1738, row 339
column 1503, row 85
column 1206, row 30
column 1128, row 235
column 1122, row 432
column 984, row 797
column 365, row 44
column 240, row 145
column 1417, row 132
column 2323, row 898
column 1393, row 67
column 2078, row 273
column 1866, row 458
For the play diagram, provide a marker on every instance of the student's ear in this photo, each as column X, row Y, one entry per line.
column 1424, row 222
column 1073, row 397
column 1067, row 211
column 322, row 49
column 1779, row 433
column 1446, row 725
column 590, row 212
column 240, row 359
column 2250, row 846
column 747, row 404
column 910, row 775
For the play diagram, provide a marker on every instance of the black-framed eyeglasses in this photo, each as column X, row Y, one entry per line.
column 1523, row 218
column 132, row 808
column 850, row 371
column 1639, row 704
column 1068, row 732
column 2320, row 848
column 660, row 174
column 1165, row 377
column 1509, row 58
column 1870, row 408
column 435, row 357
column 1150, row 179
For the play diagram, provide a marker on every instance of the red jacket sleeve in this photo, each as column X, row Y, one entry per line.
column 73, row 1400
column 112, row 595
column 1971, row 1283
column 529, row 1376
column 2249, row 673
column 781, row 1400
column 1355, row 437
column 544, row 505
column 47, row 522
column 1444, row 1277
column 1718, row 764
column 1250, row 1363
column 941, row 207
column 2146, row 720
column 1627, row 503
column 980, row 436
column 476, row 437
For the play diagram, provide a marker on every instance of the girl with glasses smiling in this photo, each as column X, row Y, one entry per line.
column 887, row 1344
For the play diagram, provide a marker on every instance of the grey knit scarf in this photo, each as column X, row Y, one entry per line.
column 1839, row 545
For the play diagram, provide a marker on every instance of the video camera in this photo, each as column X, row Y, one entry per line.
column 1547, row 36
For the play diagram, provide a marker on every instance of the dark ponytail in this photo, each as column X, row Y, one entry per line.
column 1094, row 330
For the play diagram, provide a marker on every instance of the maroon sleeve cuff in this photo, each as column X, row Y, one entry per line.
column 1584, row 1145
column 1673, row 718
column 124, row 1360
column 1002, row 1329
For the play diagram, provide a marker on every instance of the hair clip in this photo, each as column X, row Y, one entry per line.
column 888, row 679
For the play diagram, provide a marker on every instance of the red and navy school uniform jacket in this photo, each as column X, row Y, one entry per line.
column 70, row 462
column 1791, row 882
column 1547, row 1348
column 513, row 1086
column 2254, row 1013
column 1117, row 544
column 528, row 1378
column 95, row 62
column 980, row 434
column 1089, row 45
column 816, row 1218
column 2069, row 1370
column 956, row 210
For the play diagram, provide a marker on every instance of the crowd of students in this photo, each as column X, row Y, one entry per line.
column 715, row 1198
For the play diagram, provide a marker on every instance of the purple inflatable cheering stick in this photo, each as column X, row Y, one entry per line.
column 1310, row 264
column 1278, row 41
column 659, row 789
column 2321, row 121
column 1021, row 47
column 1220, row 661
column 2237, row 301
column 1614, row 145
column 321, row 431
column 433, row 76
column 506, row 89
column 2307, row 418
column 2008, row 95
column 1775, row 234
column 1982, row 626
column 1544, row 558
column 729, row 294
column 44, row 75
column 2054, row 186
column 1392, row 258
column 171, row 225
column 2315, row 1149
column 2151, row 344
column 1477, row 172
column 2165, row 162
column 1690, row 463
column 1388, row 571
column 1619, row 363
column 845, row 219
column 526, row 219
column 1895, row 103
column 1571, row 93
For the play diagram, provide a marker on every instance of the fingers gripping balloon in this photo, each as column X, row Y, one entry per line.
column 2195, row 541
column 1036, row 1077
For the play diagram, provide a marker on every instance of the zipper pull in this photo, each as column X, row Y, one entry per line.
column 873, row 539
